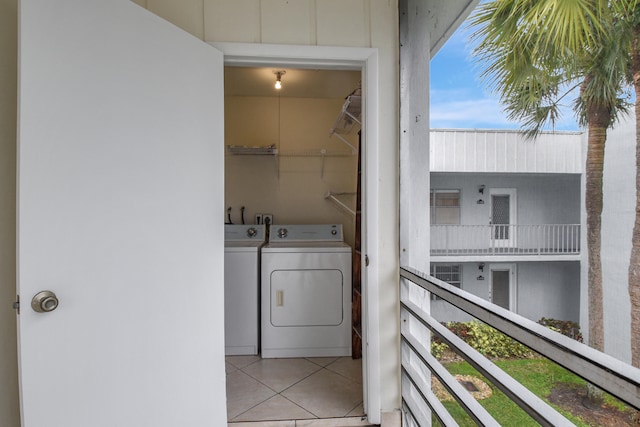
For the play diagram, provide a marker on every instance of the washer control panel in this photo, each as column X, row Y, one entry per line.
column 244, row 232
column 306, row 233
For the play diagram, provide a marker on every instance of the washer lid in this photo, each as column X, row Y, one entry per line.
column 305, row 247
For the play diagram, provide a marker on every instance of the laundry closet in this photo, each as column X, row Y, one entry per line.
column 291, row 154
column 292, row 171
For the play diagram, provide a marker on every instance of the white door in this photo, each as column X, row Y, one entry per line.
column 503, row 217
column 121, row 216
column 503, row 285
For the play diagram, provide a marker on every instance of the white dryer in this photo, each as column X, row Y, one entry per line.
column 242, row 288
column 306, row 292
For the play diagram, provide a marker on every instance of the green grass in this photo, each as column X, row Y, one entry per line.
column 538, row 375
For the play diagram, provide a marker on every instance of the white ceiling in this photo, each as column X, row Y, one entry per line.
column 297, row 83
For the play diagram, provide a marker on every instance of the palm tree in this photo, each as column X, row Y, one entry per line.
column 536, row 54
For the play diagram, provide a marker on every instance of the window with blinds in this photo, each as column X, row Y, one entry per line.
column 445, row 206
column 450, row 273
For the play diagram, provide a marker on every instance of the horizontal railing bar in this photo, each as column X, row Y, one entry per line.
column 427, row 395
column 611, row 375
column 498, row 239
column 538, row 409
column 471, row 406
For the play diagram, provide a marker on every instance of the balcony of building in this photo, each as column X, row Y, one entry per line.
column 514, row 241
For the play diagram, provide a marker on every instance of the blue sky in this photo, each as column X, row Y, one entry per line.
column 460, row 100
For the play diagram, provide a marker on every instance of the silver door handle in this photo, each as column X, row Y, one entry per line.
column 44, row 302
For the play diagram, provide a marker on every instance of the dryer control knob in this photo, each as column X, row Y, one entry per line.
column 282, row 233
column 251, row 232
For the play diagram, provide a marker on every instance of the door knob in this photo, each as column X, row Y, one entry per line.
column 44, row 302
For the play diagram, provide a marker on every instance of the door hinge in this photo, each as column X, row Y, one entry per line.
column 16, row 304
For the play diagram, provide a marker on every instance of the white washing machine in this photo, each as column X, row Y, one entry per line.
column 306, row 292
column 242, row 288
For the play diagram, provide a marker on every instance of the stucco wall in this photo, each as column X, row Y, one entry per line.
column 541, row 198
column 544, row 289
column 9, row 413
column 617, row 226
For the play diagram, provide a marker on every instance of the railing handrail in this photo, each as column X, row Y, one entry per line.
column 611, row 375
column 507, row 225
column 505, row 239
column 538, row 409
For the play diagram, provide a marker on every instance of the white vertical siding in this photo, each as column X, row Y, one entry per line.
column 305, row 22
column 232, row 21
column 343, row 23
column 504, row 152
column 298, row 17
column 187, row 14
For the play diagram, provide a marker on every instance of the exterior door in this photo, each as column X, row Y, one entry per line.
column 503, row 217
column 121, row 216
column 503, row 289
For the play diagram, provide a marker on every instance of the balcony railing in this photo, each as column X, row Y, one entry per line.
column 418, row 365
column 544, row 239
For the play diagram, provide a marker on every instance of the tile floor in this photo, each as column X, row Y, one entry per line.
column 293, row 389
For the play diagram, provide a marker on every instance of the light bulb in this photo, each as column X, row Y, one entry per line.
column 279, row 75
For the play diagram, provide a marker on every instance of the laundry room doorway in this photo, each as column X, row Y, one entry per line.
column 300, row 155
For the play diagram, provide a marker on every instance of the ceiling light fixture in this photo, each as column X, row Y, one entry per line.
column 279, row 75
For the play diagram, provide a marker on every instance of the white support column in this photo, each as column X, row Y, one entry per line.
column 414, row 157
column 414, row 134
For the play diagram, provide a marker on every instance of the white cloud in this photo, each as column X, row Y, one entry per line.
column 478, row 113
column 469, row 113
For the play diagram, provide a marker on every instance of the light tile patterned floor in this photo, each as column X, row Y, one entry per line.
column 282, row 390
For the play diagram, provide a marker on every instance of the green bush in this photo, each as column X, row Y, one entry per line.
column 485, row 339
column 565, row 327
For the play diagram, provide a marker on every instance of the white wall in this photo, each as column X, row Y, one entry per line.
column 617, row 226
column 544, row 289
column 476, row 150
column 293, row 185
column 9, row 413
column 549, row 289
column 541, row 198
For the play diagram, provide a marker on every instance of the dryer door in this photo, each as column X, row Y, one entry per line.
column 306, row 298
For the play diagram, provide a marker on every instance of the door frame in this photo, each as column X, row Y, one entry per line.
column 513, row 218
column 513, row 283
column 343, row 58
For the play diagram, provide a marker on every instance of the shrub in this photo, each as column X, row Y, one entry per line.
column 486, row 340
column 565, row 327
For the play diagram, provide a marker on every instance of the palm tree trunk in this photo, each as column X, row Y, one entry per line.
column 597, row 135
column 634, row 261
column 598, row 119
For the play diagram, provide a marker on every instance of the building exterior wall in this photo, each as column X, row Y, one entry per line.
column 474, row 150
column 618, row 216
column 543, row 289
column 541, row 198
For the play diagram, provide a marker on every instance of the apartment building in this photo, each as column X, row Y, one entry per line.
column 505, row 220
